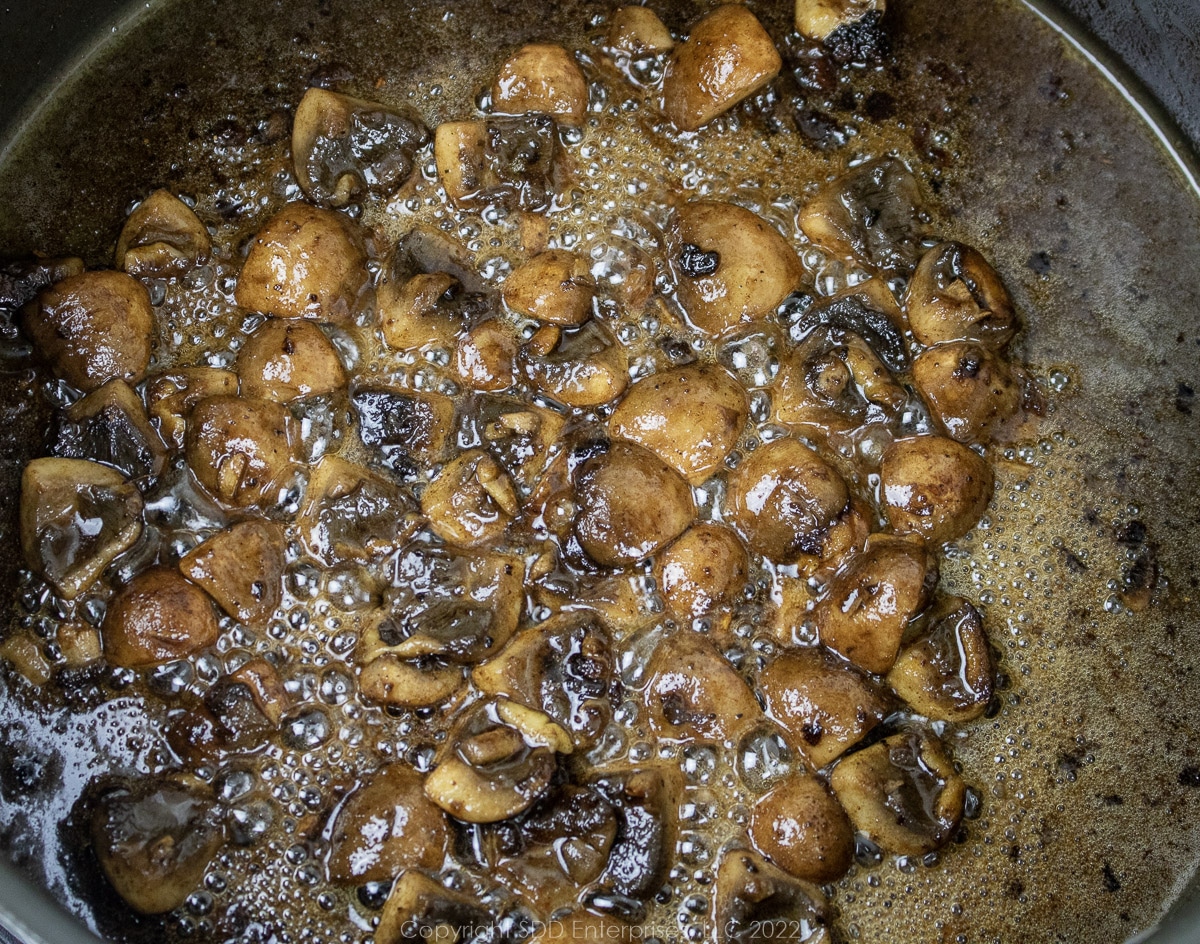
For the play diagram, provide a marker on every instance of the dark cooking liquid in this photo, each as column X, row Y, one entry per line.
column 1088, row 775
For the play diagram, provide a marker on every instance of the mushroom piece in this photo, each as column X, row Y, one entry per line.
column 352, row 513
column 824, row 706
column 631, row 505
column 154, row 840
column 803, row 829
column 955, row 295
column 285, row 360
column 266, row 688
column 522, row 437
column 306, row 262
column 110, row 425
column 757, row 903
column 93, row 328
column 21, row 281
column 172, row 395
column 946, row 673
column 903, row 792
column 242, row 569
column 783, row 499
column 580, row 367
column 76, row 518
column 705, row 568
column 934, row 487
column 404, row 424
column 157, row 617
column 872, row 598
column 635, row 32
column 161, row 238
column 387, row 678
column 647, row 803
column 420, row 910
column 242, row 451
column 973, row 391
column 420, row 312
column 690, row 416
column 486, row 358
column 727, row 58
column 871, row 213
column 867, row 310
column 543, row 78
column 471, row 501
column 693, row 694
column 385, row 826
column 818, row 19
column 509, row 162
column 563, row 667
column 344, row 148
column 554, row 287
column 730, row 265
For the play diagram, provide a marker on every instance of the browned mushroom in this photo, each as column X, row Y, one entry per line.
column 414, row 314
column 110, row 425
column 420, row 909
column 510, row 162
column 158, row 617
column 285, row 360
column 934, row 487
column 705, row 568
column 973, row 391
column 955, row 295
column 415, row 425
column 801, row 828
column 471, row 501
column 388, row 678
column 579, row 367
column 486, row 357
column 758, row 903
column 242, row 569
column 242, row 451
column 646, row 799
column 521, row 436
column 819, row 19
column 542, row 78
column 171, row 396
column 555, row 287
column 162, row 237
column 636, row 31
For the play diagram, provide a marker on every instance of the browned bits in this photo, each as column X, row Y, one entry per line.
column 819, row 19
column 158, row 617
column 285, row 360
column 934, row 487
column 801, row 828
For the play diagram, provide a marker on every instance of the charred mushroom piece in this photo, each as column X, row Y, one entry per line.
column 93, row 328
column 157, row 617
column 306, row 262
column 351, row 513
column 731, row 265
column 902, row 792
column 344, row 148
column 690, row 416
column 586, row 366
column 471, row 502
column 757, row 903
column 871, row 600
column 419, row 910
column 727, row 58
column 946, row 673
column 784, row 498
column 242, row 569
column 694, row 694
column 171, row 397
column 242, row 451
column 871, row 213
column 955, row 295
column 21, row 281
column 824, row 706
column 868, row 310
column 542, row 78
column 803, row 829
column 154, row 841
column 286, row 360
column 415, row 425
column 631, row 505
column 554, row 287
column 636, row 31
column 76, row 518
column 972, row 391
column 934, row 487
column 162, row 237
column 510, row 162
column 110, row 425
column 486, row 358
column 387, row 825
column 647, row 803
column 704, row 569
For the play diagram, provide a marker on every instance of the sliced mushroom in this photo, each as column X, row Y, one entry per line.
column 783, row 498
column 554, row 287
column 390, row 679
column 25, row 655
column 934, row 487
column 242, row 451
column 694, row 694
column 110, row 425
column 824, row 706
column 154, row 840
column 21, row 281
column 157, row 617
column 460, row 152
column 416, row 425
column 867, row 310
column 172, row 395
column 871, row 600
column 486, row 358
column 946, row 673
column 955, row 295
column 647, row 803
column 242, row 569
column 352, row 513
column 543, row 78
column 731, row 265
column 162, row 237
column 584, row 366
column 344, row 148
column 385, row 826
column 972, row 390
column 419, row 910
column 563, row 667
column 803, row 829
column 417, row 314
column 757, row 903
column 76, row 518
column 286, row 360
column 521, row 437
column 818, row 19
column 902, row 792
column 266, row 687
column 429, row 250
column 471, row 502
column 306, row 262
column 705, row 568
column 636, row 31
column 511, row 162
column 727, row 57
column 631, row 505
column 690, row 416
column 93, row 328
column 871, row 213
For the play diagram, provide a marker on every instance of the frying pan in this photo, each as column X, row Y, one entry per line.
column 1114, row 311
